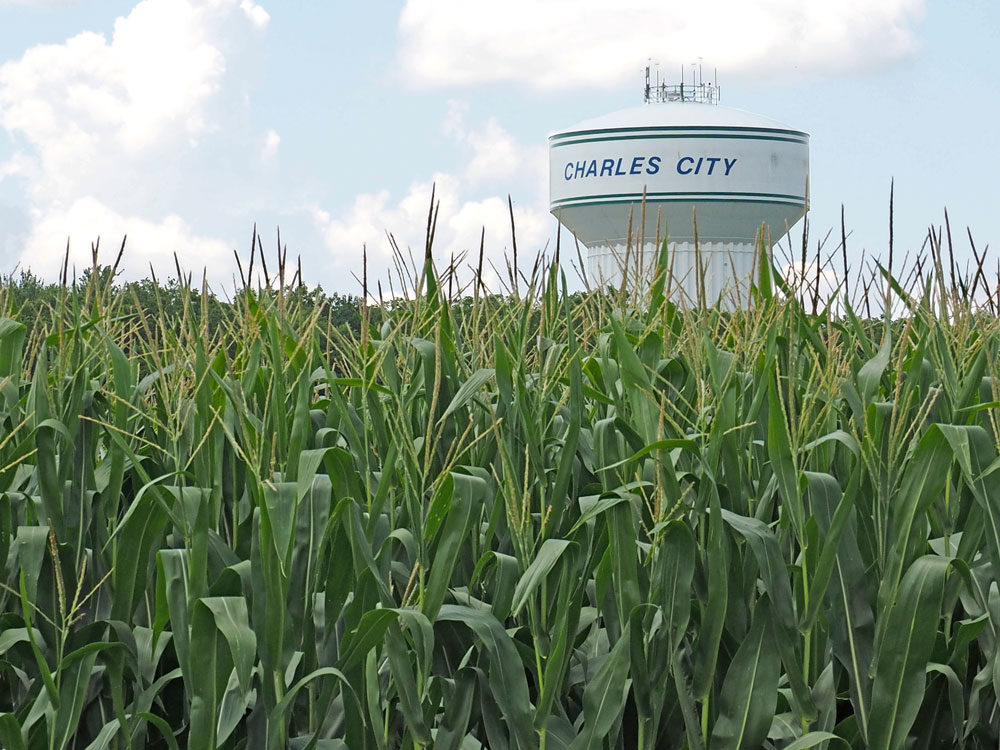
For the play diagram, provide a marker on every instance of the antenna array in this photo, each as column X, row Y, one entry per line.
column 657, row 92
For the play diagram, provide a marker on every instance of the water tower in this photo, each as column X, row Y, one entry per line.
column 710, row 175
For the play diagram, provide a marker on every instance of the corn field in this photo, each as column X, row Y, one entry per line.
column 547, row 520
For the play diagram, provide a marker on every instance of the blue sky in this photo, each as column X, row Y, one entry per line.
column 184, row 122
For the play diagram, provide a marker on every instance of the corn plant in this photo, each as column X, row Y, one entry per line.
column 542, row 520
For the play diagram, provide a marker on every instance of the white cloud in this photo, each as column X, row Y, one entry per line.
column 149, row 242
column 270, row 149
column 469, row 206
column 257, row 15
column 18, row 165
column 585, row 43
column 493, row 154
column 107, row 129
column 459, row 229
column 72, row 101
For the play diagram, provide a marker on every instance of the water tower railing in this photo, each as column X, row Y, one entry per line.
column 702, row 93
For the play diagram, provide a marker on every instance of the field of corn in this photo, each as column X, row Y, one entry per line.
column 542, row 520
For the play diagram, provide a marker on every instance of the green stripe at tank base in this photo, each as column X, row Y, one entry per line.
column 607, row 200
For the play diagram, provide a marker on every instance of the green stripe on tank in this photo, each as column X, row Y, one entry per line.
column 669, row 128
column 764, row 201
column 657, row 137
column 680, row 198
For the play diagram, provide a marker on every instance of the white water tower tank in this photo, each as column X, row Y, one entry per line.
column 711, row 176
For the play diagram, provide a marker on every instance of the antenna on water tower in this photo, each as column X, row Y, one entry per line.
column 696, row 90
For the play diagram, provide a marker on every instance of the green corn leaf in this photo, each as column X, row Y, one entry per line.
column 142, row 527
column 624, row 559
column 848, row 597
column 900, row 676
column 10, row 733
column 975, row 453
column 713, row 616
column 406, row 683
column 452, row 732
column 783, row 461
column 871, row 372
column 672, row 575
column 103, row 739
column 506, row 675
column 279, row 714
column 469, row 491
column 280, row 506
column 468, row 391
column 814, row 739
column 824, row 494
column 604, row 697
column 561, row 632
column 545, row 559
column 956, row 698
column 51, row 689
column 76, row 673
column 750, row 691
column 373, row 698
column 594, row 509
column 921, row 485
column 369, row 633
column 233, row 622
column 12, row 335
column 768, row 555
column 205, row 688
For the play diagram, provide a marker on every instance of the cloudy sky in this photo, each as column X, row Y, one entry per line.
column 184, row 122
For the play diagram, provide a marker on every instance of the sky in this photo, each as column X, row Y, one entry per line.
column 183, row 123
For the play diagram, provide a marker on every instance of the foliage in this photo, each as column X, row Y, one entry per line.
column 36, row 304
column 549, row 521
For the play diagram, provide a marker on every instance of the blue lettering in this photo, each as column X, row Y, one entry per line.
column 729, row 164
column 712, row 161
column 697, row 169
column 638, row 165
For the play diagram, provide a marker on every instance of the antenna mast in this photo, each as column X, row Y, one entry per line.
column 696, row 91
